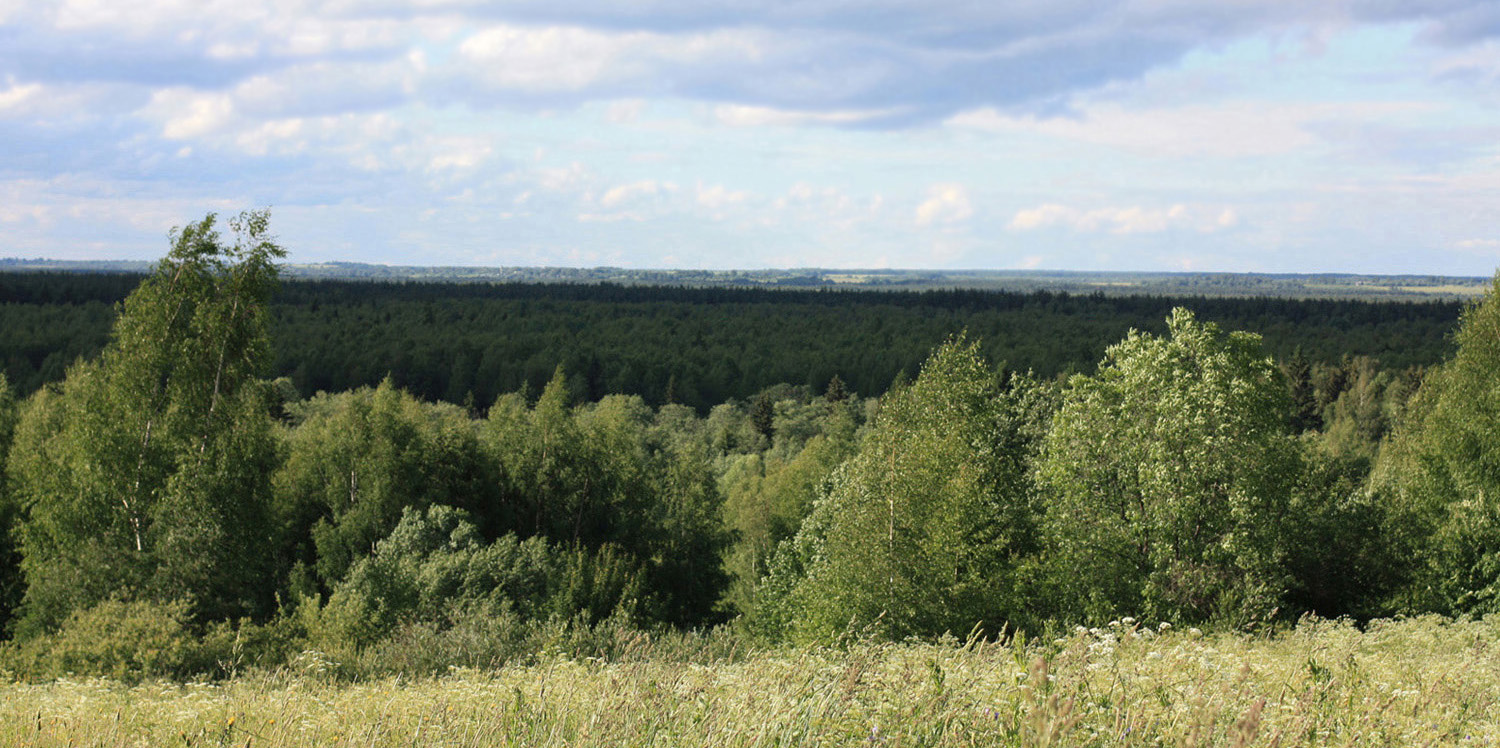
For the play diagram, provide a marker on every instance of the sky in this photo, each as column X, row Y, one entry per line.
column 1354, row 136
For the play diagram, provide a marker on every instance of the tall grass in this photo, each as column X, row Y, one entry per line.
column 1422, row 681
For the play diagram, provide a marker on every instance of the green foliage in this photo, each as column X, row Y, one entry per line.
column 11, row 583
column 1167, row 477
column 924, row 530
column 435, row 568
column 133, row 641
column 125, row 641
column 163, row 489
column 603, row 476
column 1361, row 412
column 1304, row 414
column 146, row 474
column 1341, row 560
column 1440, row 475
column 443, row 340
column 763, row 414
column 354, row 461
column 768, row 495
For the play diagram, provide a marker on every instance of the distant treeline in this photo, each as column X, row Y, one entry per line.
column 471, row 342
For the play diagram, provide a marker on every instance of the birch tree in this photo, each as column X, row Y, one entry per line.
column 145, row 473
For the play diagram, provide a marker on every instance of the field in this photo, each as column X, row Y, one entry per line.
column 1414, row 682
column 1275, row 285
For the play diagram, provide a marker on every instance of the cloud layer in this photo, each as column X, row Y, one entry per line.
column 724, row 133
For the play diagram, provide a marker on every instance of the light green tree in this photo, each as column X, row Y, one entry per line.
column 146, row 473
column 10, row 570
column 768, row 495
column 1167, row 476
column 356, row 460
column 1439, row 475
column 619, row 491
column 926, row 528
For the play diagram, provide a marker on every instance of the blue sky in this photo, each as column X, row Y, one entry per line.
column 1224, row 135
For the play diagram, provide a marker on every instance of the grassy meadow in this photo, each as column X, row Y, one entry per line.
column 1424, row 681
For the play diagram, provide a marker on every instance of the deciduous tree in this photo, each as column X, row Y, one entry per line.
column 146, row 474
column 1167, row 475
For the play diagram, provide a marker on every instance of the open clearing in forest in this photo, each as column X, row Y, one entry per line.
column 1424, row 681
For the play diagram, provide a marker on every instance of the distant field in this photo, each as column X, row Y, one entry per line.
column 1423, row 682
column 1286, row 285
column 1453, row 289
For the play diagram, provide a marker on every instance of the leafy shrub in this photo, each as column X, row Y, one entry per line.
column 132, row 641
column 434, row 569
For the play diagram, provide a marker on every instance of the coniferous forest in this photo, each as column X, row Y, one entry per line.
column 231, row 472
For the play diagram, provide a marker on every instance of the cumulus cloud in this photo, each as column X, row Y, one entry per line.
column 186, row 113
column 814, row 61
column 780, row 62
column 945, row 204
column 440, row 102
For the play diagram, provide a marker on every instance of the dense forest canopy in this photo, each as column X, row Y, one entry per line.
column 695, row 346
column 169, row 495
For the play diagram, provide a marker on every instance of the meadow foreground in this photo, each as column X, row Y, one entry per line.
column 1422, row 681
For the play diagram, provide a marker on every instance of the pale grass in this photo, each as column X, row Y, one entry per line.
column 1406, row 683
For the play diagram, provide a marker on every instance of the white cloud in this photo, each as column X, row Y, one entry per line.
column 547, row 59
column 611, row 217
column 1479, row 246
column 407, row 108
column 561, row 179
column 1235, row 129
column 367, row 142
column 741, row 115
column 632, row 192
column 828, row 207
column 1125, row 220
column 556, row 59
column 945, row 204
column 718, row 199
column 16, row 97
column 109, row 224
column 185, row 113
column 459, row 153
column 1040, row 217
column 625, row 110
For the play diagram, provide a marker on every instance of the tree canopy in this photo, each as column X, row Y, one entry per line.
column 1167, row 476
column 146, row 472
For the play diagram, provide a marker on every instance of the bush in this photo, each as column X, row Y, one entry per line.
column 133, row 641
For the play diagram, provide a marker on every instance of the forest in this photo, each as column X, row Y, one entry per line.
column 234, row 472
column 701, row 347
